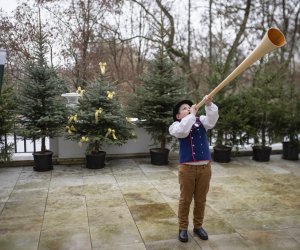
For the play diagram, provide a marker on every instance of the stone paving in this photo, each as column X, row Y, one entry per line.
column 131, row 204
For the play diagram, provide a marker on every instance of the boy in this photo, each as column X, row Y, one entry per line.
column 194, row 161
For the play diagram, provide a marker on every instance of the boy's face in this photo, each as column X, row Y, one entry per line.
column 183, row 111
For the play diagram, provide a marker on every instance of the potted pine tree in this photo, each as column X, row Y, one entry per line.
column 263, row 98
column 231, row 126
column 291, row 146
column 223, row 147
column 7, row 105
column 41, row 109
column 287, row 124
column 153, row 103
column 99, row 120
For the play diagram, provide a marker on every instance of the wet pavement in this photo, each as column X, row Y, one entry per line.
column 131, row 204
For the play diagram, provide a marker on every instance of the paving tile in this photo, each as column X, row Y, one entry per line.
column 63, row 192
column 295, row 233
column 290, row 199
column 277, row 240
column 29, row 194
column 161, row 175
column 65, row 219
column 241, row 191
column 217, row 225
column 74, row 238
column 104, row 192
column 143, row 197
column 169, row 194
column 165, row 184
column 2, row 204
column 229, row 204
column 23, row 208
column 158, row 229
column 283, row 219
column 130, row 176
column 55, row 203
column 224, row 242
column 134, row 246
column 114, row 234
column 19, row 240
column 96, row 172
column 64, row 181
column 133, row 186
column 151, row 212
column 8, row 179
column 5, row 193
column 149, row 168
column 173, row 244
column 30, row 184
column 174, row 206
column 230, row 181
column 98, row 202
column 250, row 220
column 109, row 215
column 20, row 224
column 67, row 171
column 99, row 179
column 124, row 166
column 264, row 203
column 30, row 175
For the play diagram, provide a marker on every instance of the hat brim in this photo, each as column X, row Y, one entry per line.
column 177, row 106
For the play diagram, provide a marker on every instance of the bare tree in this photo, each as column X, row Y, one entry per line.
column 81, row 28
column 17, row 34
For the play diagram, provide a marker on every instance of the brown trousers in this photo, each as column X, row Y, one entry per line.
column 194, row 182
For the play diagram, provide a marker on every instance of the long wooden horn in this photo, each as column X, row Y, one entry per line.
column 272, row 40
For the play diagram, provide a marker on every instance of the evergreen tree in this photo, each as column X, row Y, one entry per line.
column 7, row 105
column 264, row 98
column 153, row 102
column 40, row 105
column 99, row 118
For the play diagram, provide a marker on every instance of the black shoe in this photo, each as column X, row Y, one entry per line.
column 183, row 236
column 201, row 233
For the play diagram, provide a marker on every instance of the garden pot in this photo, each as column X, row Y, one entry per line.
column 261, row 153
column 96, row 160
column 159, row 156
column 222, row 153
column 42, row 161
column 290, row 151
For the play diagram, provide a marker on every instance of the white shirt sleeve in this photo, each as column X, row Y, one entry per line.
column 182, row 129
column 212, row 115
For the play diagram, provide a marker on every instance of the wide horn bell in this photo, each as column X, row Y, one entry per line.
column 272, row 40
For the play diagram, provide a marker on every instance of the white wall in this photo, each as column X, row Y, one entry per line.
column 63, row 148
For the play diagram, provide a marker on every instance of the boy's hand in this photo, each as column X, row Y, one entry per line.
column 207, row 100
column 194, row 109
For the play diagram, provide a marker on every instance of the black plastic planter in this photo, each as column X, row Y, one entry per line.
column 159, row 156
column 261, row 153
column 96, row 160
column 42, row 161
column 290, row 151
column 222, row 153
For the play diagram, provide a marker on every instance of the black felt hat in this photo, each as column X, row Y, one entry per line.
column 177, row 106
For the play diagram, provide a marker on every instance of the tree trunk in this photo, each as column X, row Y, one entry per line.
column 263, row 129
column 210, row 38
column 235, row 44
column 163, row 139
column 43, row 146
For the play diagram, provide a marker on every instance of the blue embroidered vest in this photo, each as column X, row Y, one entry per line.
column 194, row 147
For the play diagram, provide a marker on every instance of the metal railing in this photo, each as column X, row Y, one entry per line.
column 21, row 144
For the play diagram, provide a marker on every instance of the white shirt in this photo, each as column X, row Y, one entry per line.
column 181, row 129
